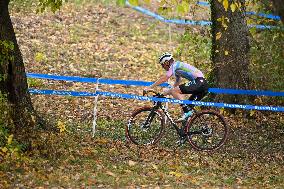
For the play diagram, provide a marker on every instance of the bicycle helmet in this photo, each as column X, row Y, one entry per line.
column 165, row 57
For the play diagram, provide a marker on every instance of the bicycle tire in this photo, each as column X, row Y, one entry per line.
column 136, row 134
column 202, row 130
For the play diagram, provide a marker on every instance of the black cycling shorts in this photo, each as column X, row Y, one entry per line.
column 198, row 88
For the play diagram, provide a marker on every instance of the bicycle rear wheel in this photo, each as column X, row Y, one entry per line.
column 207, row 130
column 141, row 133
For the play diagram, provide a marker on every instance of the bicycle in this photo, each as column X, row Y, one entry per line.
column 205, row 130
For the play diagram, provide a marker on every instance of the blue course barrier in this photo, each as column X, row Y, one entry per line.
column 146, row 83
column 269, row 16
column 173, row 21
column 202, row 3
column 143, row 98
column 143, row 83
column 246, row 92
column 188, row 22
column 93, row 80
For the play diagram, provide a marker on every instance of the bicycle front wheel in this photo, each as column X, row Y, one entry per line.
column 145, row 127
column 207, row 130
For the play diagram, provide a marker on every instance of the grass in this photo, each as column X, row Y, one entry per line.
column 75, row 159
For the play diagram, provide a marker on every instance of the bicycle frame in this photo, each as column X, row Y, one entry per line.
column 173, row 123
column 197, row 130
column 157, row 106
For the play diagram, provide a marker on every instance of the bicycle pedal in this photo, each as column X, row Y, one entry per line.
column 145, row 129
column 181, row 141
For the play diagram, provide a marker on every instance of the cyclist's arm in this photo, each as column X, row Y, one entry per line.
column 161, row 80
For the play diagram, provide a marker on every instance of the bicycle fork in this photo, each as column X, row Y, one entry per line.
column 149, row 118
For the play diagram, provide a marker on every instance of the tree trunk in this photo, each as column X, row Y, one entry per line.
column 15, row 85
column 230, row 50
column 279, row 8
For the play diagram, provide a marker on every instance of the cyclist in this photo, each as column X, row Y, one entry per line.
column 196, row 85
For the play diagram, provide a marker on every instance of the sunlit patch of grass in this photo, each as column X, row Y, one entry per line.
column 35, row 82
column 111, row 129
column 22, row 5
column 40, row 57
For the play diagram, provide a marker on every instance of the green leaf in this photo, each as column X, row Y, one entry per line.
column 40, row 57
column 162, row 3
column 183, row 8
column 134, row 2
column 185, row 5
column 180, row 9
column 163, row 10
column 147, row 1
column 120, row 2
column 54, row 5
column 233, row 7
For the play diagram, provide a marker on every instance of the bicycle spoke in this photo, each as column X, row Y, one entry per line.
column 207, row 131
column 143, row 133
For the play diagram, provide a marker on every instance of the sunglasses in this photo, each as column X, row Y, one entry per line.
column 166, row 63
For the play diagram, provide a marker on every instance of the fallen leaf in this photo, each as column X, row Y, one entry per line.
column 110, row 173
column 233, row 7
column 155, row 166
column 225, row 4
column 131, row 163
column 177, row 174
column 218, row 35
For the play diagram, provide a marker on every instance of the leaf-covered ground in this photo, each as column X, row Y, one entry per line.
column 103, row 40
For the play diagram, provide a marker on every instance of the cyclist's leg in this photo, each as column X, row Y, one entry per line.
column 201, row 95
column 189, row 88
column 178, row 94
column 192, row 97
column 175, row 92
column 200, row 92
